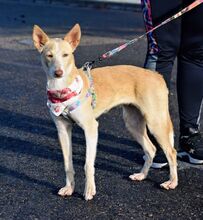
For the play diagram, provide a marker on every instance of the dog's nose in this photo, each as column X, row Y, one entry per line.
column 58, row 73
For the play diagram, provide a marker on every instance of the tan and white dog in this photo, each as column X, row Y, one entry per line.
column 142, row 93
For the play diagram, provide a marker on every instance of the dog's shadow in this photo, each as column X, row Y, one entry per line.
column 45, row 128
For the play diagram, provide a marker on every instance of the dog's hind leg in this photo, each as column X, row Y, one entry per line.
column 162, row 130
column 136, row 125
column 64, row 134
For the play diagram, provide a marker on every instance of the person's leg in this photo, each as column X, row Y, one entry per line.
column 190, row 84
column 163, row 45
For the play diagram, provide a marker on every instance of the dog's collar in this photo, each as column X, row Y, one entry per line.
column 87, row 68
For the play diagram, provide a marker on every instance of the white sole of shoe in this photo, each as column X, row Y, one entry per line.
column 156, row 165
column 191, row 159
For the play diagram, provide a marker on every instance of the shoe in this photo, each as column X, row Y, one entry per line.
column 159, row 161
column 191, row 146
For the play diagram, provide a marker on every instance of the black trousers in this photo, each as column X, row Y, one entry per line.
column 181, row 38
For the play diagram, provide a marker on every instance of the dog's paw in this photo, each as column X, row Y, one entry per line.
column 90, row 192
column 137, row 176
column 170, row 184
column 66, row 191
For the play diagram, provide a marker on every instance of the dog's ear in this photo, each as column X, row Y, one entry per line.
column 73, row 36
column 39, row 38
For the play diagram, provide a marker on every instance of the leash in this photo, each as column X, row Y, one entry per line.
column 88, row 65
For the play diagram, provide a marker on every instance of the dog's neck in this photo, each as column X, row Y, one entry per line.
column 63, row 82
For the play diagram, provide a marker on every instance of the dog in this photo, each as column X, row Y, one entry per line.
column 82, row 96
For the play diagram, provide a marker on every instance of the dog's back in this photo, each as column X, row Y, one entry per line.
column 125, row 84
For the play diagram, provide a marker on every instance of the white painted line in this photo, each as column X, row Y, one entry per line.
column 26, row 42
column 120, row 1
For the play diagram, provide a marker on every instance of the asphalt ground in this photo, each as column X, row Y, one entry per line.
column 31, row 162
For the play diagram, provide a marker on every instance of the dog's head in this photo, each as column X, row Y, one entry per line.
column 57, row 54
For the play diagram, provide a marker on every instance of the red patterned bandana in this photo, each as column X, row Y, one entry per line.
column 59, row 100
column 57, row 96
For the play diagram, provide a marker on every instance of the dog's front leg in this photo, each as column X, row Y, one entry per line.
column 64, row 134
column 91, row 135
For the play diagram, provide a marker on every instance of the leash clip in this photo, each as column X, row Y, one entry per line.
column 88, row 66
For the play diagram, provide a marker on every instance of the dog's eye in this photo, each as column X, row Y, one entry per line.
column 49, row 55
column 65, row 55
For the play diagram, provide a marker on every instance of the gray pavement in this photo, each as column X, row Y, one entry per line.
column 31, row 163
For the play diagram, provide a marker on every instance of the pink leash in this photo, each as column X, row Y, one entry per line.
column 123, row 46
